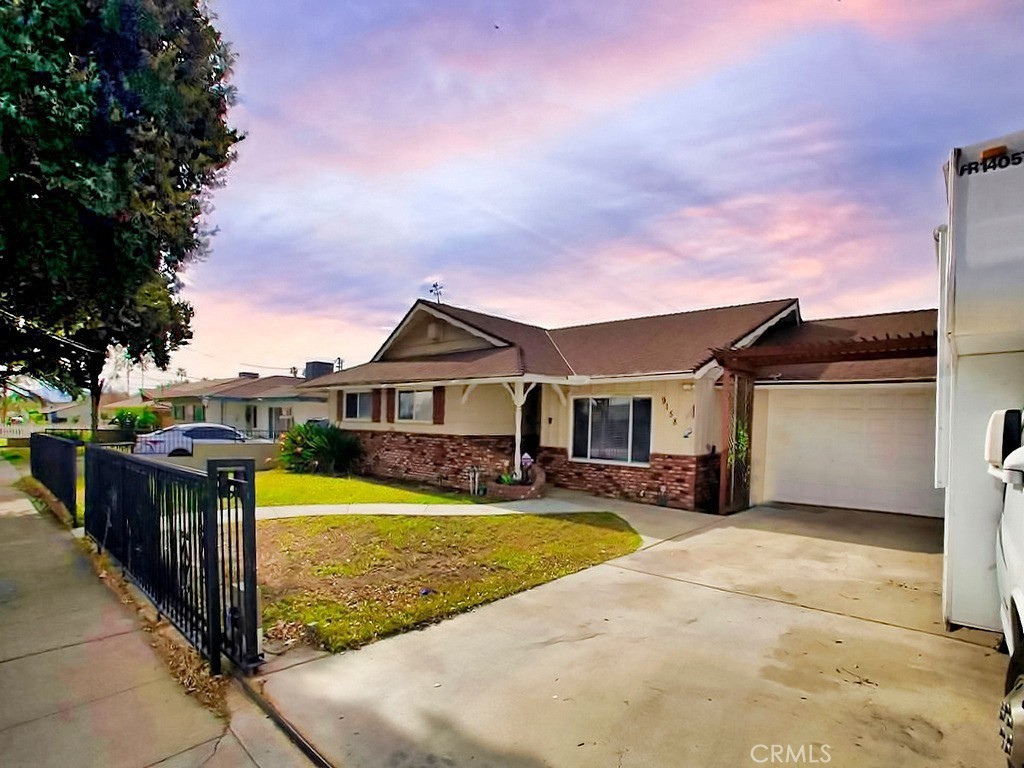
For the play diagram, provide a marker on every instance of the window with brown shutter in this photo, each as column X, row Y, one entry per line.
column 375, row 407
column 391, row 406
column 439, row 405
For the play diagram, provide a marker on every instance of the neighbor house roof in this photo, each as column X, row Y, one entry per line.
column 239, row 388
column 675, row 343
column 915, row 322
column 202, row 388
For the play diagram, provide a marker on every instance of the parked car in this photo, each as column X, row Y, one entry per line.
column 180, row 439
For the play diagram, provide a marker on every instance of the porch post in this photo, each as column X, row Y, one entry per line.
column 724, row 469
column 518, row 398
column 518, row 393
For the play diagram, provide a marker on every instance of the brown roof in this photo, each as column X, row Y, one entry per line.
column 914, row 322
column 659, row 344
column 202, row 388
column 537, row 349
column 478, row 364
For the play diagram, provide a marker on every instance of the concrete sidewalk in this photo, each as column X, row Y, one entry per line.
column 654, row 524
column 81, row 684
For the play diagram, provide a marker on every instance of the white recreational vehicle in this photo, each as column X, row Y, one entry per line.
column 981, row 372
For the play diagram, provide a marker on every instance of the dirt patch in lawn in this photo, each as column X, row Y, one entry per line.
column 343, row 581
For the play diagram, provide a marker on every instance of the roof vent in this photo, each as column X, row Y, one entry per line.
column 434, row 331
column 248, row 375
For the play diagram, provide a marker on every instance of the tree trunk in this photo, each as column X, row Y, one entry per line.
column 95, row 391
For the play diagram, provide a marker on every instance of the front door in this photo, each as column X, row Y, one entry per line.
column 531, row 422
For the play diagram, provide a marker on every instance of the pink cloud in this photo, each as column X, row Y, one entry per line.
column 444, row 86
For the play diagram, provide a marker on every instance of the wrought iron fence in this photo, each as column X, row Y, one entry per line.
column 53, row 462
column 187, row 538
column 83, row 434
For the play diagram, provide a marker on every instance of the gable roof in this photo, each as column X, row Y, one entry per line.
column 659, row 344
column 914, row 322
column 237, row 388
column 662, row 343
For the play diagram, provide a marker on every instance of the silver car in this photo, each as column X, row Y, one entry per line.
column 179, row 439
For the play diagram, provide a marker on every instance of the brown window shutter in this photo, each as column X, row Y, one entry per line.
column 439, row 405
column 340, row 406
column 375, row 405
column 391, row 406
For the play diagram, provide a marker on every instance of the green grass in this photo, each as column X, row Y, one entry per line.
column 342, row 581
column 276, row 488
column 14, row 455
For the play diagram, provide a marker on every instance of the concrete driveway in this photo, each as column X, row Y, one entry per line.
column 804, row 634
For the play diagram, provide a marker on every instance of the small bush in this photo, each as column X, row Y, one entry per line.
column 320, row 448
column 136, row 419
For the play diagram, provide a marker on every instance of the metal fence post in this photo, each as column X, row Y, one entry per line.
column 211, row 567
column 252, row 619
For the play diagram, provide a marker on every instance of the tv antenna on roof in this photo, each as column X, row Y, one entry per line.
column 435, row 291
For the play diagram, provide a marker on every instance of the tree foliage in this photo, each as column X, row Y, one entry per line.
column 113, row 131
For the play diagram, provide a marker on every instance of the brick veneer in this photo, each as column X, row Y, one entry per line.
column 689, row 482
column 683, row 482
column 438, row 459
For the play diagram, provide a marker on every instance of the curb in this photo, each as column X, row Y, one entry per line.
column 282, row 723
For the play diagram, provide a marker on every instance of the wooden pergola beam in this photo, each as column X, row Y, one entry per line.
column 750, row 359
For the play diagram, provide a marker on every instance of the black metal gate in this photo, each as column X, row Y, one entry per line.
column 53, row 461
column 187, row 539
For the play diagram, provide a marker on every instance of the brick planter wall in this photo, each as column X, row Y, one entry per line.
column 689, row 482
column 437, row 459
column 535, row 490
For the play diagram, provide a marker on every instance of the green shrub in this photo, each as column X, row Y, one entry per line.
column 136, row 419
column 319, row 448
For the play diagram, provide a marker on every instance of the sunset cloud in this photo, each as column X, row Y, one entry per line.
column 569, row 162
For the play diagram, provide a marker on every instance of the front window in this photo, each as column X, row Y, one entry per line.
column 612, row 429
column 358, row 406
column 416, row 406
column 198, row 413
column 178, row 412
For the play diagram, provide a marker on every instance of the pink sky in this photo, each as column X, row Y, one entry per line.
column 561, row 163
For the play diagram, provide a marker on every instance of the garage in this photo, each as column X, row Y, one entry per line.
column 863, row 446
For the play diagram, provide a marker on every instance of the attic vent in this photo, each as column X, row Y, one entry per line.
column 434, row 331
column 248, row 375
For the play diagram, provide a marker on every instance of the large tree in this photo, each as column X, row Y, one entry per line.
column 113, row 131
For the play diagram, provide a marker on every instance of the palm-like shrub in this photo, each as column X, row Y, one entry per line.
column 320, row 448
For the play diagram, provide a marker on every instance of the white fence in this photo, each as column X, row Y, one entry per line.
column 21, row 430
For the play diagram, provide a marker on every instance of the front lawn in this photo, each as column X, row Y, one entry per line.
column 14, row 455
column 342, row 581
column 277, row 488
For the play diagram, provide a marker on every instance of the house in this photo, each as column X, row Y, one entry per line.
column 265, row 406
column 633, row 408
column 142, row 400
column 78, row 413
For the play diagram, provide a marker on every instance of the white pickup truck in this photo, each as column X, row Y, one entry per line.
column 1005, row 458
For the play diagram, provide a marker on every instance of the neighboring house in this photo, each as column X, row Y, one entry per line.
column 630, row 408
column 265, row 406
column 78, row 413
column 142, row 400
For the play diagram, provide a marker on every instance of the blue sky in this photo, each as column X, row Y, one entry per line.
column 575, row 161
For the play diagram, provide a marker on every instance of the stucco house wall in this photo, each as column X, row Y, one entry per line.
column 487, row 411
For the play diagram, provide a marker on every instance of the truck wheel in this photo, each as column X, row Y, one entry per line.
column 1011, row 710
column 179, row 452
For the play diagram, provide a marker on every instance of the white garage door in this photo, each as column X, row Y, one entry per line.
column 870, row 447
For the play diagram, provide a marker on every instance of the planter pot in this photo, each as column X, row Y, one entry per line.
column 535, row 490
